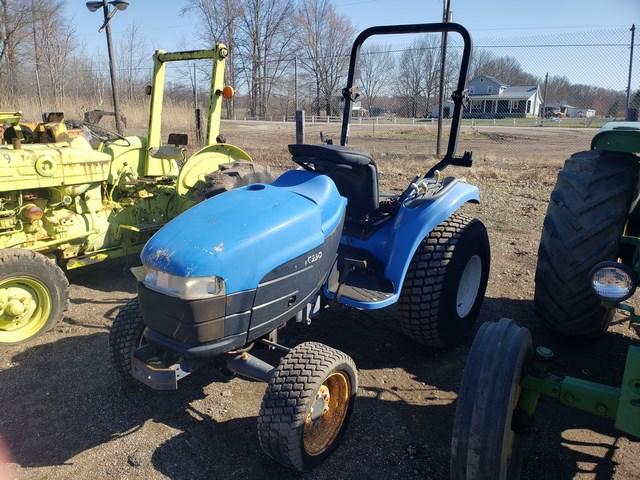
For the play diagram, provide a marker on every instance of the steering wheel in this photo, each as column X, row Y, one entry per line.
column 100, row 133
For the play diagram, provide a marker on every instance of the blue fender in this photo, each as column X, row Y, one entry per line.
column 396, row 241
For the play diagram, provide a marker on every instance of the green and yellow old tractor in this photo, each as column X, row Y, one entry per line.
column 588, row 266
column 71, row 197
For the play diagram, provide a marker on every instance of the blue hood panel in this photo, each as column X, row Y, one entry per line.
column 243, row 234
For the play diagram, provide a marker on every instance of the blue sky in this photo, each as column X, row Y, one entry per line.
column 490, row 22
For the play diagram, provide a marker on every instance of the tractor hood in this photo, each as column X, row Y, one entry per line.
column 244, row 234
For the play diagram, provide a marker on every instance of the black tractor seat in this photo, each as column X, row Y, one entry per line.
column 331, row 153
column 354, row 173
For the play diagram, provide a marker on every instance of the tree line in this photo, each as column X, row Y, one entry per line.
column 280, row 51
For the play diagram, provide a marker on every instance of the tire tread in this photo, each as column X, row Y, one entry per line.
column 585, row 218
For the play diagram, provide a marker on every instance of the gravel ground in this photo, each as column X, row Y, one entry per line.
column 65, row 414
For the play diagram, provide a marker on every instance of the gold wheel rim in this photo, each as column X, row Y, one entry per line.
column 327, row 414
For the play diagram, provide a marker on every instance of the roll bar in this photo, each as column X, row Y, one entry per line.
column 457, row 96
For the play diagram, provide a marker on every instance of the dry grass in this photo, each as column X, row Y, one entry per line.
column 176, row 116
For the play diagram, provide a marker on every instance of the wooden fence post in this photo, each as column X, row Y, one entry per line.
column 299, row 126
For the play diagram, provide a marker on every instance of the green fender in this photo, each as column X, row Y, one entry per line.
column 618, row 137
column 205, row 161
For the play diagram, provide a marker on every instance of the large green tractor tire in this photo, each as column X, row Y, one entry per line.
column 33, row 295
column 587, row 214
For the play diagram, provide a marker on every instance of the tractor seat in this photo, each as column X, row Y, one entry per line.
column 354, row 173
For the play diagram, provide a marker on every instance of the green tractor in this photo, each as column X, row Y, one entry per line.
column 71, row 197
column 588, row 265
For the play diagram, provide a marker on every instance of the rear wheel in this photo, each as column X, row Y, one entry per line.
column 586, row 216
column 446, row 282
column 307, row 405
column 34, row 294
column 127, row 334
column 486, row 444
column 234, row 175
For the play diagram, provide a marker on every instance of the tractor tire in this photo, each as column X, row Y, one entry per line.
column 234, row 175
column 34, row 294
column 487, row 442
column 446, row 282
column 307, row 405
column 125, row 336
column 585, row 218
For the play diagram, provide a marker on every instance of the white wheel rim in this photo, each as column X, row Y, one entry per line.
column 469, row 286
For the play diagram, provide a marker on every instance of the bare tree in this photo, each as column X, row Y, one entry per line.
column 58, row 36
column 264, row 45
column 375, row 68
column 219, row 24
column 430, row 46
column 418, row 74
column 132, row 59
column 14, row 19
column 410, row 81
column 480, row 58
column 324, row 42
column 505, row 68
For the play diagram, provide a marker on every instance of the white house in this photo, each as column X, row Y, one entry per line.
column 357, row 110
column 490, row 98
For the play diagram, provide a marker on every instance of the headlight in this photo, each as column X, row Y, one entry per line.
column 187, row 288
column 613, row 281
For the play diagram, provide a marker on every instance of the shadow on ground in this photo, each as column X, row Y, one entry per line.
column 61, row 399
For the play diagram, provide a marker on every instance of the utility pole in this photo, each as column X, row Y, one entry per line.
column 196, row 110
column 446, row 5
column 627, row 104
column 112, row 70
column 36, row 58
column 544, row 99
column 295, row 81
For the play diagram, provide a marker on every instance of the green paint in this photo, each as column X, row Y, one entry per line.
column 160, row 58
column 628, row 416
column 618, row 137
column 25, row 306
column 93, row 204
column 619, row 404
column 591, row 397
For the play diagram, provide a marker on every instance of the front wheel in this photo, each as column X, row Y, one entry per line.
column 126, row 335
column 34, row 293
column 486, row 443
column 307, row 405
column 446, row 282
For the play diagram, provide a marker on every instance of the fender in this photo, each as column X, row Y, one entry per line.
column 205, row 161
column 395, row 243
column 618, row 137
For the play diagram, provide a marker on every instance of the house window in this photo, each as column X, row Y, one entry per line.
column 470, row 90
column 476, row 106
column 489, row 89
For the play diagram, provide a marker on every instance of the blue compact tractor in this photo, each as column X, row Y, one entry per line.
column 219, row 280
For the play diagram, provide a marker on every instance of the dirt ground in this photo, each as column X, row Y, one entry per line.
column 65, row 415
